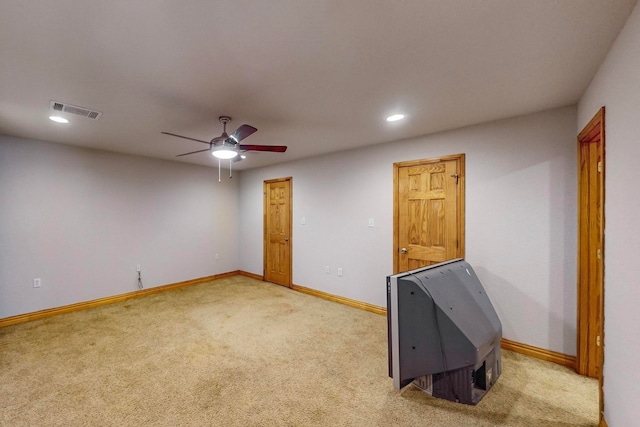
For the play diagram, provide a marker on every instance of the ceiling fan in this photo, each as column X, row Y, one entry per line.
column 228, row 146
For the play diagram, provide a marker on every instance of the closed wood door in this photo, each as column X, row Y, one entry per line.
column 428, row 212
column 591, row 248
column 277, row 231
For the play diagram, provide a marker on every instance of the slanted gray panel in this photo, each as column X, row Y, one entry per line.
column 459, row 295
column 440, row 320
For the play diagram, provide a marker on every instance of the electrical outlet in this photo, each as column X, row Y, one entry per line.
column 303, row 221
column 339, row 271
column 327, row 269
column 217, row 256
column 37, row 282
column 138, row 268
column 371, row 222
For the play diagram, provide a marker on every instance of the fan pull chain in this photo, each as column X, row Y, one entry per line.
column 219, row 176
column 230, row 165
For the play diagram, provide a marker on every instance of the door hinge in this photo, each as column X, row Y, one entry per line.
column 598, row 340
column 599, row 253
column 600, row 166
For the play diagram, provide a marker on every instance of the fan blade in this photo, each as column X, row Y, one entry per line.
column 272, row 148
column 193, row 152
column 186, row 137
column 242, row 132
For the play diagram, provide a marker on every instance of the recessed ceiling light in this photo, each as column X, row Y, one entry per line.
column 58, row 119
column 395, row 117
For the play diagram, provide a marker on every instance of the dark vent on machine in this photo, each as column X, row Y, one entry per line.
column 74, row 109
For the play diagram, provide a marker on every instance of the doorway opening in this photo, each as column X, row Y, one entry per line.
column 428, row 212
column 591, row 222
column 277, row 231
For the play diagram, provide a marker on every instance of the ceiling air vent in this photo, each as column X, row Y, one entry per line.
column 74, row 109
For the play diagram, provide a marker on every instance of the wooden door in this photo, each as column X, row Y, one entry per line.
column 590, row 353
column 277, row 231
column 428, row 212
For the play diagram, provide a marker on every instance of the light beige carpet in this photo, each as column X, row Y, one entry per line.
column 240, row 352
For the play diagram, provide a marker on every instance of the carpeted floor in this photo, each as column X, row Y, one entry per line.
column 240, row 352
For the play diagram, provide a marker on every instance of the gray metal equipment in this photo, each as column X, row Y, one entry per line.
column 444, row 334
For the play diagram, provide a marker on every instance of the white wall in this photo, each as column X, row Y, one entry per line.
column 82, row 219
column 617, row 87
column 520, row 219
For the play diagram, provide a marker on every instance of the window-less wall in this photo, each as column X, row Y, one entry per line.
column 81, row 220
column 520, row 219
column 617, row 87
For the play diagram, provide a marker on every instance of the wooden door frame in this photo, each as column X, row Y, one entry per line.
column 265, row 237
column 597, row 120
column 460, row 159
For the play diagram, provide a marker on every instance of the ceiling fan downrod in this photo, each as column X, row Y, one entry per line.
column 224, row 120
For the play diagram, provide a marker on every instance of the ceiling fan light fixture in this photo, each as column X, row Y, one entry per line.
column 224, row 151
column 228, row 147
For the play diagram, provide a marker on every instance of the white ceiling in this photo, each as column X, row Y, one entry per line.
column 315, row 75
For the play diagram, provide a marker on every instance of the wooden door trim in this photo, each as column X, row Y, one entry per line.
column 596, row 124
column 265, row 237
column 460, row 159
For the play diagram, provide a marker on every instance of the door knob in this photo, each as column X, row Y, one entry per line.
column 403, row 250
column 286, row 239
